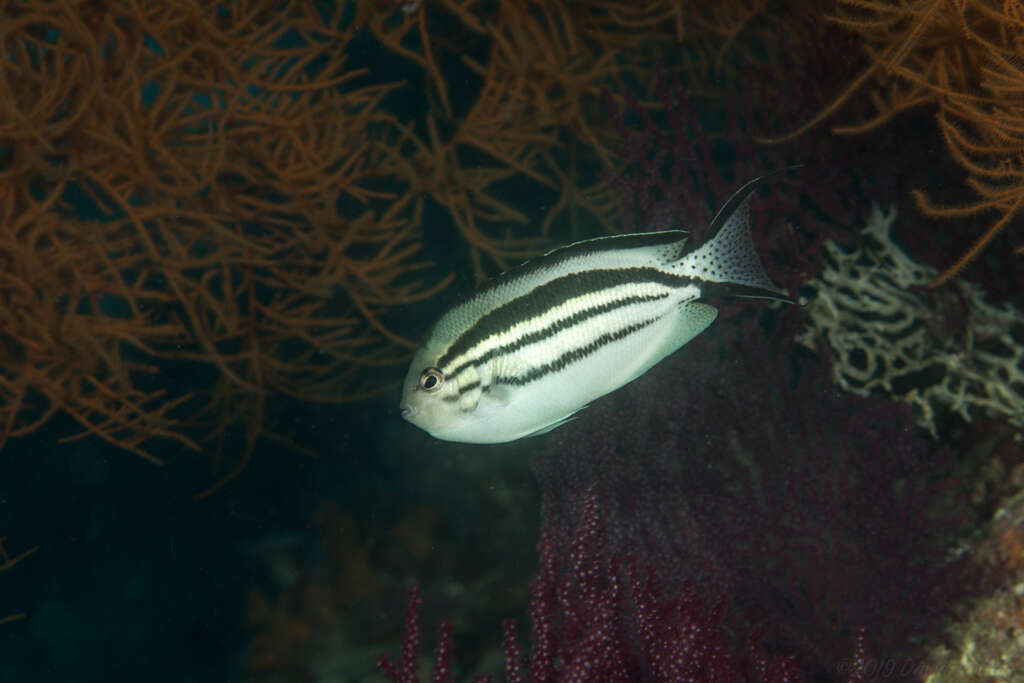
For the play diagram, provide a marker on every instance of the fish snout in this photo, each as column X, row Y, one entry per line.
column 407, row 411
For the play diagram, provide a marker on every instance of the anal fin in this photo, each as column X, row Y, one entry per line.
column 556, row 423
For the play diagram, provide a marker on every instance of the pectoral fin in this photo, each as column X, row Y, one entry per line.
column 692, row 319
column 500, row 393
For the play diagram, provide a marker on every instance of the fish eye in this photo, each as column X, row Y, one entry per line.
column 431, row 380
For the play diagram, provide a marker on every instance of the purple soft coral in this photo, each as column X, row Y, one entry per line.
column 599, row 617
column 813, row 513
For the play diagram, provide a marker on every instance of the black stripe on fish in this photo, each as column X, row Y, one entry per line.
column 465, row 389
column 554, row 258
column 548, row 296
column 554, row 328
column 573, row 355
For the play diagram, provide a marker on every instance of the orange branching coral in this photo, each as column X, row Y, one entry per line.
column 194, row 184
column 535, row 113
column 6, row 562
column 723, row 22
column 962, row 57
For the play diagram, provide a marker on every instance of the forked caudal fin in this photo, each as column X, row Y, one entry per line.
column 727, row 261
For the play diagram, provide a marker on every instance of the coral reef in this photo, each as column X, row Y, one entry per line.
column 940, row 352
column 207, row 209
column 961, row 60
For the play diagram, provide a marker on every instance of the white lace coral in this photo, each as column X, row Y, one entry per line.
column 888, row 335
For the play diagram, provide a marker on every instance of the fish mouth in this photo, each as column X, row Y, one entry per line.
column 406, row 411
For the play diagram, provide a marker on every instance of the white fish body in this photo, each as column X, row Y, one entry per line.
column 537, row 344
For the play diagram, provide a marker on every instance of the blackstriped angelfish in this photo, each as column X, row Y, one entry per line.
column 538, row 343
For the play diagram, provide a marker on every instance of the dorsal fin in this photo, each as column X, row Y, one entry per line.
column 737, row 198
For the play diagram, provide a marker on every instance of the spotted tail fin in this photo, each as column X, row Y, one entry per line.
column 727, row 263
